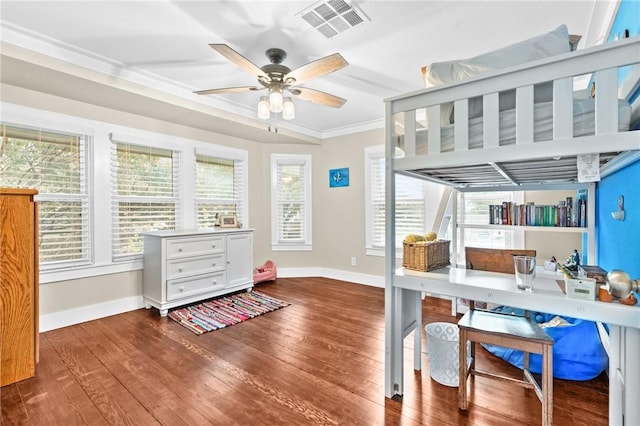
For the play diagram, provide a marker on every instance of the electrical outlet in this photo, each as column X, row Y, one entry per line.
column 354, row 261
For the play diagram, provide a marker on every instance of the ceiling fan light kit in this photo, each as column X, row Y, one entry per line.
column 288, row 109
column 278, row 79
column 263, row 108
column 275, row 100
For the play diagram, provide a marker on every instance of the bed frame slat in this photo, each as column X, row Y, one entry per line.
column 410, row 133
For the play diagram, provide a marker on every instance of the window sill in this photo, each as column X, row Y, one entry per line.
column 52, row 276
column 301, row 247
column 381, row 252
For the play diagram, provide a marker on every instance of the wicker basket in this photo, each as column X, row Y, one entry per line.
column 425, row 256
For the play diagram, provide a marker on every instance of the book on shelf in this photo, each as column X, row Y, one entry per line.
column 570, row 212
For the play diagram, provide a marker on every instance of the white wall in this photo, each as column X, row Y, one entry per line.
column 339, row 213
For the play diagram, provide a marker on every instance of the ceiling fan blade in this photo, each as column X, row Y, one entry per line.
column 227, row 90
column 238, row 59
column 318, row 68
column 318, row 97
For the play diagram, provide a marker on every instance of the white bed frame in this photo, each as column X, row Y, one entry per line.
column 506, row 167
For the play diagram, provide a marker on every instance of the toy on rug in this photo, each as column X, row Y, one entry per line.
column 266, row 272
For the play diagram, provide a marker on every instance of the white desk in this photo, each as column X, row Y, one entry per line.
column 403, row 314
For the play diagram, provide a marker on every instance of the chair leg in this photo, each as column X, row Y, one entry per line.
column 525, row 363
column 463, row 403
column 547, row 386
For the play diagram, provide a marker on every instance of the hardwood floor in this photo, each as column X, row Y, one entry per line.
column 319, row 361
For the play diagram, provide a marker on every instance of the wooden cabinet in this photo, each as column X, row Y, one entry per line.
column 182, row 267
column 18, row 285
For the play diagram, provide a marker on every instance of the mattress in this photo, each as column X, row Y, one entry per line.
column 583, row 125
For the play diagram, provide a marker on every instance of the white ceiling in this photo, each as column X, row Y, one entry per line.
column 164, row 45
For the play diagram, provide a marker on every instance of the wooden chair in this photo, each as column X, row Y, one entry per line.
column 511, row 331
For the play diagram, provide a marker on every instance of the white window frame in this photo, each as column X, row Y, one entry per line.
column 288, row 159
column 431, row 193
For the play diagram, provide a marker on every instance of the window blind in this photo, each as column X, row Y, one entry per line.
column 219, row 184
column 145, row 196
column 56, row 165
column 291, row 200
column 291, row 206
column 377, row 203
column 410, row 204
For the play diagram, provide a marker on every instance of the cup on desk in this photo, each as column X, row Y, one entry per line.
column 525, row 269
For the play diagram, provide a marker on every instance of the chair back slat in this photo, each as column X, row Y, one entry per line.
column 493, row 260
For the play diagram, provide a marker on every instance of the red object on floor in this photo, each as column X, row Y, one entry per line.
column 266, row 272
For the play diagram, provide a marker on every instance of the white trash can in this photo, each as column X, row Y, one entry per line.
column 442, row 347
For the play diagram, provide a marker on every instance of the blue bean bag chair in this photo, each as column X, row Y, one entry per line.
column 578, row 353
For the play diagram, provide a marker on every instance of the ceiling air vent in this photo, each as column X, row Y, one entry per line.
column 333, row 16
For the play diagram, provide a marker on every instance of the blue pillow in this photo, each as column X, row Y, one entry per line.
column 578, row 353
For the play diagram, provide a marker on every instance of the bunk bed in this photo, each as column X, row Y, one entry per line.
column 465, row 135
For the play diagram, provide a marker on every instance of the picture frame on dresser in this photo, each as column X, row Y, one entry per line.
column 228, row 221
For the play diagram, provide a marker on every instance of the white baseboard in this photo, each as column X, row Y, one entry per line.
column 89, row 313
column 335, row 274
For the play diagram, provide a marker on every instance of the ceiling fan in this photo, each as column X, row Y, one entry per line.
column 280, row 79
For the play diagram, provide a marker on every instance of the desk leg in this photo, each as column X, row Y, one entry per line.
column 616, row 389
column 417, row 334
column 631, row 373
column 394, row 362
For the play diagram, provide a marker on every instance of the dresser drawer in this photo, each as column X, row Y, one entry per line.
column 183, row 247
column 187, row 266
column 186, row 287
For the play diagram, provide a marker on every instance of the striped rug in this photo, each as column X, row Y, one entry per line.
column 225, row 311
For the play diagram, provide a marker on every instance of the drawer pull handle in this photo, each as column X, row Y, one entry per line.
column 215, row 281
column 213, row 264
column 179, row 250
column 181, row 289
column 213, row 246
column 180, row 269
column 228, row 262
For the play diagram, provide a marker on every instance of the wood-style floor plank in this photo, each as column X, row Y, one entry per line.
column 319, row 361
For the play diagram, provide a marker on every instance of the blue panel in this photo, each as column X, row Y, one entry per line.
column 619, row 241
column 627, row 18
column 626, row 23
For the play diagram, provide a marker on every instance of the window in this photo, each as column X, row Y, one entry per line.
column 55, row 164
column 473, row 209
column 417, row 203
column 291, row 202
column 145, row 196
column 219, row 189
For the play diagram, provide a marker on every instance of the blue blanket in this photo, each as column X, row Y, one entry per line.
column 578, row 353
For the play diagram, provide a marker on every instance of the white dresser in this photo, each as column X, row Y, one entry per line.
column 182, row 267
